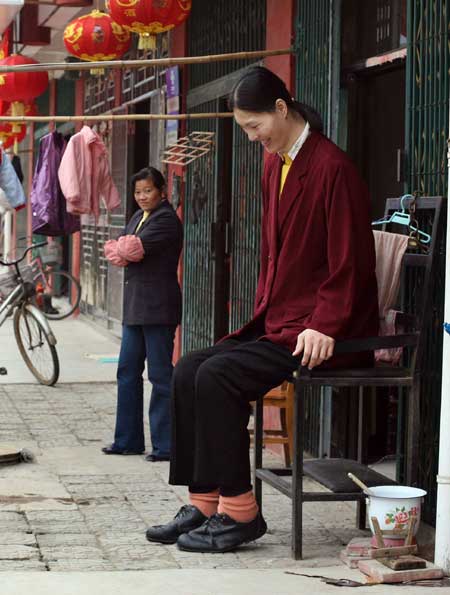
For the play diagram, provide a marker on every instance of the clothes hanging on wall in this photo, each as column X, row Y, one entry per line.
column 49, row 210
column 85, row 175
column 10, row 184
column 16, row 163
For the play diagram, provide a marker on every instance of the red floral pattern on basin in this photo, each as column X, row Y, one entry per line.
column 400, row 517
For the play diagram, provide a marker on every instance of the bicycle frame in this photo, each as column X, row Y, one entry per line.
column 10, row 302
column 45, row 325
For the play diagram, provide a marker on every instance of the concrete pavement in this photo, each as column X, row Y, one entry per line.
column 85, row 353
column 88, row 511
column 190, row 582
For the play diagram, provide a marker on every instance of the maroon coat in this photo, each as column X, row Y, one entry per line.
column 317, row 250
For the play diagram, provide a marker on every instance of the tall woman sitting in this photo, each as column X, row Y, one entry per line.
column 317, row 284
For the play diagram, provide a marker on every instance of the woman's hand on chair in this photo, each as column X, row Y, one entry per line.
column 315, row 347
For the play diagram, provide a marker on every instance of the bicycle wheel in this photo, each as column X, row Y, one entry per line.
column 58, row 294
column 38, row 353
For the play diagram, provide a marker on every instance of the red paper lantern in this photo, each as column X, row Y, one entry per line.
column 95, row 37
column 149, row 17
column 21, row 88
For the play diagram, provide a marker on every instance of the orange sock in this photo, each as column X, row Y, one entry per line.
column 206, row 503
column 242, row 508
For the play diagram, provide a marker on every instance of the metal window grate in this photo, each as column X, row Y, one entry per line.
column 383, row 27
column 198, row 260
column 246, row 227
column 220, row 27
column 313, row 54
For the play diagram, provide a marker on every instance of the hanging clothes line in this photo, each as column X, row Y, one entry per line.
column 115, row 117
column 181, row 61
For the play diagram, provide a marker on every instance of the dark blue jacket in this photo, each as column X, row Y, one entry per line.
column 152, row 294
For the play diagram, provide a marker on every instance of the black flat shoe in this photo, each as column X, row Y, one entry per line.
column 187, row 518
column 113, row 450
column 220, row 533
column 156, row 458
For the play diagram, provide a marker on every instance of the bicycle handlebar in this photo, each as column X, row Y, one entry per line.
column 14, row 262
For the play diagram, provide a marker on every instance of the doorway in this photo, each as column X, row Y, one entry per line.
column 376, row 132
column 372, row 132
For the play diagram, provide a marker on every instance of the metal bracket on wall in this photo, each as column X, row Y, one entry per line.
column 189, row 148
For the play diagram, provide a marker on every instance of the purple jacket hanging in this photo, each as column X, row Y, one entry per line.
column 49, row 214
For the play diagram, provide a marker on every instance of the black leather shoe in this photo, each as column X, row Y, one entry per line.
column 220, row 533
column 156, row 458
column 187, row 518
column 113, row 450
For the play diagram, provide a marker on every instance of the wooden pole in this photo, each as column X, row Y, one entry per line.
column 115, row 117
column 156, row 62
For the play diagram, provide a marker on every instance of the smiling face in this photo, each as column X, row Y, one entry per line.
column 272, row 129
column 147, row 195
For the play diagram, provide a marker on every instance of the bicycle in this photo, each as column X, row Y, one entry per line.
column 34, row 337
column 58, row 293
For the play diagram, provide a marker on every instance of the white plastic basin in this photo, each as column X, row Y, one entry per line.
column 394, row 505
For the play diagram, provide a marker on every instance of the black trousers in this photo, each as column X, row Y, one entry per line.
column 211, row 393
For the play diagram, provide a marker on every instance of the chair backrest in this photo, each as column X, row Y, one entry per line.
column 418, row 268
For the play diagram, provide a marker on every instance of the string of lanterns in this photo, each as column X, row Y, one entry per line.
column 100, row 36
column 95, row 37
column 17, row 93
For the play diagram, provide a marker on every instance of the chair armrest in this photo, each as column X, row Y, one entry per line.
column 366, row 344
column 374, row 343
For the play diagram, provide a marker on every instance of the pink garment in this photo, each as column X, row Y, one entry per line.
column 112, row 254
column 390, row 249
column 85, row 176
column 130, row 248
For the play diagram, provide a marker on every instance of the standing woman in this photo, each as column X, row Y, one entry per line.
column 317, row 285
column 149, row 249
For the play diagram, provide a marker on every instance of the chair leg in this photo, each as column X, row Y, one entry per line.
column 361, row 504
column 285, row 430
column 297, row 475
column 258, row 418
column 290, row 396
column 413, row 434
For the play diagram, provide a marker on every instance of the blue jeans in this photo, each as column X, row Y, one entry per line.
column 154, row 342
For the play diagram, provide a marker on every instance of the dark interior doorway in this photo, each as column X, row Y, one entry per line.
column 140, row 150
column 376, row 131
column 375, row 142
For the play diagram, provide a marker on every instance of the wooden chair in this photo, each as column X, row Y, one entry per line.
column 332, row 473
column 281, row 397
